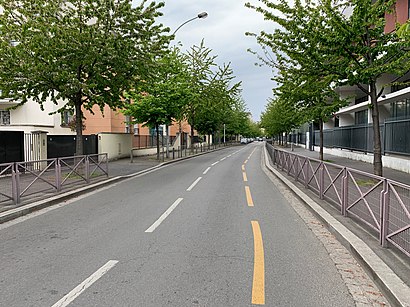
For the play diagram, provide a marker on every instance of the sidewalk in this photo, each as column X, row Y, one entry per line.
column 123, row 167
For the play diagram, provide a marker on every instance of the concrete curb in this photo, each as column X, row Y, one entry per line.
column 12, row 214
column 396, row 291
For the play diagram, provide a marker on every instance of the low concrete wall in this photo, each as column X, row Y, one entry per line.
column 116, row 145
column 138, row 152
column 144, row 151
column 400, row 164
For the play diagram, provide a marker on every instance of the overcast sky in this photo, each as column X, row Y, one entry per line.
column 223, row 31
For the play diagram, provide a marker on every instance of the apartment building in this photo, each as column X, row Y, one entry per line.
column 113, row 121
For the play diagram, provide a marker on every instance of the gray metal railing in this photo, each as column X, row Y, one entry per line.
column 21, row 180
column 378, row 202
column 394, row 137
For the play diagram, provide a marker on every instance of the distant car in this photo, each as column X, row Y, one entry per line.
column 244, row 141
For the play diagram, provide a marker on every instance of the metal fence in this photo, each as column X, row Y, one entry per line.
column 394, row 137
column 359, row 137
column 184, row 151
column 21, row 180
column 378, row 202
column 150, row 141
column 397, row 136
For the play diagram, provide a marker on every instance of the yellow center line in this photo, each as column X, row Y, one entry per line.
column 248, row 196
column 246, row 161
column 245, row 178
column 258, row 286
column 243, row 167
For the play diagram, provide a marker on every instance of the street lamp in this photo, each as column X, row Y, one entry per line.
column 199, row 16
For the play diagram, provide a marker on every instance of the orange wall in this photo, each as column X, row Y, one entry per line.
column 114, row 121
column 401, row 15
column 111, row 121
column 173, row 130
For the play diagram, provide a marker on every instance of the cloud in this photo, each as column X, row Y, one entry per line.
column 223, row 31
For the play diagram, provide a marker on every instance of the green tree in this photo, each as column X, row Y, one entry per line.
column 280, row 116
column 365, row 54
column 351, row 49
column 236, row 120
column 403, row 30
column 162, row 98
column 200, row 63
column 310, row 94
column 217, row 100
column 82, row 52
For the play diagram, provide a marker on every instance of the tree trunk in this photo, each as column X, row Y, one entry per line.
column 79, row 149
column 321, row 140
column 157, row 132
column 377, row 144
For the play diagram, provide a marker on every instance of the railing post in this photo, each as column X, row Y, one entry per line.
column 321, row 180
column 385, row 210
column 14, row 185
column 296, row 167
column 58, row 174
column 307, row 172
column 275, row 157
column 17, row 191
column 289, row 157
column 87, row 170
column 345, row 188
column 106, row 163
column 282, row 161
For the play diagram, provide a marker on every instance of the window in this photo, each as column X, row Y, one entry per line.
column 360, row 117
column 127, row 124
column 66, row 118
column 136, row 129
column 400, row 109
column 337, row 121
column 360, row 100
column 4, row 118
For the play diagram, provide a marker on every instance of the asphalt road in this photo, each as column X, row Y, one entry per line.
column 208, row 231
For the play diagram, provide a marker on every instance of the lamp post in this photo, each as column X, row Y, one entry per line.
column 199, row 16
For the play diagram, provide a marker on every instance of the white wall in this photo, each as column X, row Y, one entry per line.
column 346, row 120
column 399, row 164
column 117, row 145
column 29, row 117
